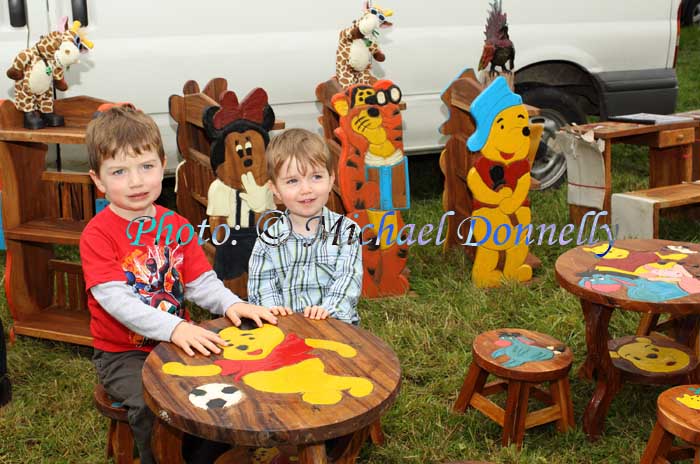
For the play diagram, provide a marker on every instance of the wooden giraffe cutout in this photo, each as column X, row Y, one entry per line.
column 40, row 68
column 357, row 47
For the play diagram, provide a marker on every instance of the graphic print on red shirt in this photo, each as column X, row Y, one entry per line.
column 155, row 271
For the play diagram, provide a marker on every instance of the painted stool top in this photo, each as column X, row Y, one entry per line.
column 652, row 276
column 678, row 411
column 300, row 382
column 521, row 354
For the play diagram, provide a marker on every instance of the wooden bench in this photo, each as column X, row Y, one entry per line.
column 637, row 213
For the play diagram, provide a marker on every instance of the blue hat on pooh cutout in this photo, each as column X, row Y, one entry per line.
column 496, row 98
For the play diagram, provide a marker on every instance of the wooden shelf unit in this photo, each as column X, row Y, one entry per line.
column 42, row 209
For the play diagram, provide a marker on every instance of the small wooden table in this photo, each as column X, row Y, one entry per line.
column 670, row 153
column 340, row 381
column 636, row 275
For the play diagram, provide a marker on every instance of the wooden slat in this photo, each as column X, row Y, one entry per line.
column 66, row 202
column 48, row 230
column 67, row 176
column 59, row 281
column 88, row 202
column 73, row 291
column 542, row 416
column 489, row 408
column 497, row 386
column 200, row 199
column 57, row 324
column 65, row 266
column 194, row 108
column 671, row 195
column 200, row 157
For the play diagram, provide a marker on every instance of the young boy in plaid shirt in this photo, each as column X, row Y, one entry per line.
column 309, row 260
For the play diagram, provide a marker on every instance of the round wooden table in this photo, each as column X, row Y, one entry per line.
column 299, row 383
column 647, row 276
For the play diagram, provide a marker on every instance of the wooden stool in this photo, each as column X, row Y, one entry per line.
column 521, row 359
column 677, row 415
column 120, row 441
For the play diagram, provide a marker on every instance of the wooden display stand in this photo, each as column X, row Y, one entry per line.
column 456, row 160
column 195, row 174
column 41, row 209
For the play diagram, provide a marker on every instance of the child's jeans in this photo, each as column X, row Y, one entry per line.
column 120, row 374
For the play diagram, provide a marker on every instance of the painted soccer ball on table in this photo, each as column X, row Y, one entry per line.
column 215, row 396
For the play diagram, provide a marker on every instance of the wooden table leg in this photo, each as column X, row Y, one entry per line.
column 670, row 166
column 376, row 434
column 608, row 379
column 166, row 443
column 347, row 448
column 313, row 454
column 587, row 369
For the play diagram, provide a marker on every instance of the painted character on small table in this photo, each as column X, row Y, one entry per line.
column 691, row 401
column 267, row 360
column 520, row 349
column 499, row 183
column 645, row 355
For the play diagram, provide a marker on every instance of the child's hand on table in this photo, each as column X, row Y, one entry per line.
column 187, row 336
column 281, row 310
column 257, row 313
column 315, row 312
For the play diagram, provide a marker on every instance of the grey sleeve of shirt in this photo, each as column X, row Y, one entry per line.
column 208, row 292
column 120, row 302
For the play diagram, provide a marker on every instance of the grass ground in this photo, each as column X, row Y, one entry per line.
column 51, row 418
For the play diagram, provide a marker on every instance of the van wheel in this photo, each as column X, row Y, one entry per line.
column 557, row 109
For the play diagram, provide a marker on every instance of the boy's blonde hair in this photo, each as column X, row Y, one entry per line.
column 301, row 145
column 121, row 128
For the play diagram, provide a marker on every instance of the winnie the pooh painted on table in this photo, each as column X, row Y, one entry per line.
column 499, row 183
column 267, row 360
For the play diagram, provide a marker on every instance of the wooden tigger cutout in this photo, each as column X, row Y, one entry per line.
column 239, row 134
column 373, row 178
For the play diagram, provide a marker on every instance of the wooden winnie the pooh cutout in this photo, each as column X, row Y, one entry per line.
column 40, row 68
column 373, row 180
column 499, row 183
column 239, row 134
column 357, row 46
column 267, row 360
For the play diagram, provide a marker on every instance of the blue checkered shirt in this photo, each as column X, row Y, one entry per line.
column 288, row 269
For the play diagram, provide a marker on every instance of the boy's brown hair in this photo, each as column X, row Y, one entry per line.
column 121, row 128
column 301, row 145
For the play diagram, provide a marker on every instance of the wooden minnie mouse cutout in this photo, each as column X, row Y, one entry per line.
column 239, row 133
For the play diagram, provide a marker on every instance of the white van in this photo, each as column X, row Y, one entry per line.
column 573, row 58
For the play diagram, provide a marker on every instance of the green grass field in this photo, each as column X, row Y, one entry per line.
column 51, row 417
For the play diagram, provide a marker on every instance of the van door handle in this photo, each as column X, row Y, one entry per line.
column 18, row 13
column 80, row 11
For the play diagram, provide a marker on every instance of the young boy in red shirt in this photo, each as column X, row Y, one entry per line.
column 137, row 275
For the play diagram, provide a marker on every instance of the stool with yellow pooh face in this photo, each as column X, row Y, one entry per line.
column 267, row 360
column 499, row 183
